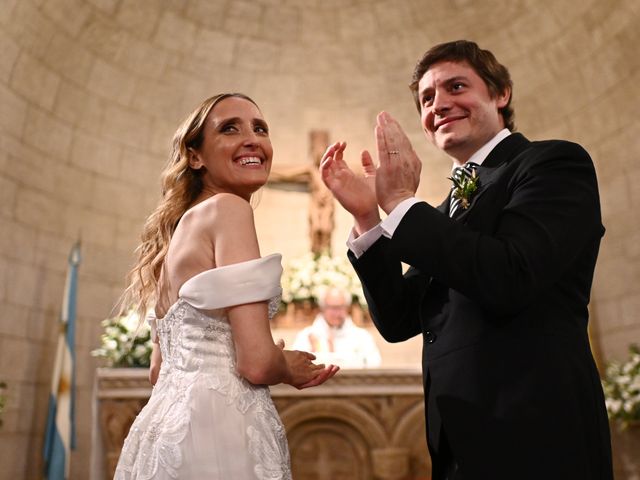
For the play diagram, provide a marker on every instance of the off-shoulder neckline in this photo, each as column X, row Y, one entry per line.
column 222, row 268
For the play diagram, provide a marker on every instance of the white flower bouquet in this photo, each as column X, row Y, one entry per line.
column 125, row 342
column 622, row 389
column 305, row 277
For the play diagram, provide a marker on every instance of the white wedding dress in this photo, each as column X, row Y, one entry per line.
column 204, row 421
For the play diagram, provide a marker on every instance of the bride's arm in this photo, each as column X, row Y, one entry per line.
column 258, row 358
column 156, row 362
column 156, row 355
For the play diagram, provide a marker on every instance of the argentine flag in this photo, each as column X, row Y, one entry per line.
column 60, row 433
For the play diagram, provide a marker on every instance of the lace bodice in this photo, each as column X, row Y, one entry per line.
column 195, row 335
column 199, row 394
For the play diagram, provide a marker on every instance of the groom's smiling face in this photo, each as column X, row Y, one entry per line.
column 457, row 111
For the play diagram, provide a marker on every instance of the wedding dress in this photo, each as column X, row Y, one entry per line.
column 204, row 421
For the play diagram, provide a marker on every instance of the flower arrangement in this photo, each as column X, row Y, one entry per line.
column 304, row 278
column 125, row 342
column 622, row 389
column 3, row 399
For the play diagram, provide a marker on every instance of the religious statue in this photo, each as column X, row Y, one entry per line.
column 321, row 206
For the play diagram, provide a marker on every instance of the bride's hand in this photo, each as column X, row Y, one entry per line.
column 325, row 374
column 303, row 373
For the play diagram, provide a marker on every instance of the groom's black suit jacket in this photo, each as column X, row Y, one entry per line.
column 500, row 296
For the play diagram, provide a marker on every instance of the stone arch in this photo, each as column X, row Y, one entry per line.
column 329, row 448
column 410, row 421
column 332, row 438
column 410, row 433
column 359, row 420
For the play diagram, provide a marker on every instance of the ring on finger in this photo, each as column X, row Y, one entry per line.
column 394, row 152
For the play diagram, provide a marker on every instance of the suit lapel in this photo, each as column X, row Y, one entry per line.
column 444, row 206
column 493, row 166
column 505, row 151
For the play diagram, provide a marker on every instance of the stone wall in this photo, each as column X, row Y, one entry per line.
column 92, row 90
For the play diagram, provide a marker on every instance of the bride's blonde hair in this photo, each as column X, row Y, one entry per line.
column 181, row 185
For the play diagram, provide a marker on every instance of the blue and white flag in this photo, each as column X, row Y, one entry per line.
column 60, row 435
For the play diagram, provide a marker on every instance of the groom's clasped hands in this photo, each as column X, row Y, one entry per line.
column 394, row 179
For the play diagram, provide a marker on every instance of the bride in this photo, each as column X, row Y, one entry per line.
column 210, row 414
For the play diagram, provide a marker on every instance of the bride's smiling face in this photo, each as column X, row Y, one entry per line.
column 236, row 151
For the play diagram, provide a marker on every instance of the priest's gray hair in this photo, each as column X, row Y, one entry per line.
column 326, row 291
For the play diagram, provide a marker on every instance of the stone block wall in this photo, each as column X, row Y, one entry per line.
column 92, row 90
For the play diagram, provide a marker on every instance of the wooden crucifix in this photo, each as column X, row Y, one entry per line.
column 321, row 205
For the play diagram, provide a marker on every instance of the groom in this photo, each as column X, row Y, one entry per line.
column 499, row 279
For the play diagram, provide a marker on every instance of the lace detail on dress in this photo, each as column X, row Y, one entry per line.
column 198, row 351
column 158, row 435
column 267, row 438
column 270, row 451
column 274, row 306
column 216, row 330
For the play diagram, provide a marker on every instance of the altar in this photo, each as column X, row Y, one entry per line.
column 360, row 425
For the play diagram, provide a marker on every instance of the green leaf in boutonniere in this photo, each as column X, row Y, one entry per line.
column 464, row 188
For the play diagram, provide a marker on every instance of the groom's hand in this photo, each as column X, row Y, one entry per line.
column 398, row 174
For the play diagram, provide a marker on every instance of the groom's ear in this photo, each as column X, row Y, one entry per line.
column 502, row 99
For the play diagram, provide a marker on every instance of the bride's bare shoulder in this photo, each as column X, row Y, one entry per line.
column 222, row 208
column 224, row 200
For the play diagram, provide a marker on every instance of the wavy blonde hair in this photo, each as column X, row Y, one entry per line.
column 181, row 185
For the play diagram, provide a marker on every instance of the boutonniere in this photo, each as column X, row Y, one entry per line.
column 465, row 187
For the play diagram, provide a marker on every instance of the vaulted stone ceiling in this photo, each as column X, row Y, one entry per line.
column 92, row 91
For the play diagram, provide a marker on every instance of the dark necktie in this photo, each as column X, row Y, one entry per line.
column 460, row 174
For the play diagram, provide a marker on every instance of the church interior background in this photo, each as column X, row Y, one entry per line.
column 91, row 92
